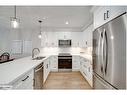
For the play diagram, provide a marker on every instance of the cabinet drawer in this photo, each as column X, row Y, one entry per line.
column 24, row 81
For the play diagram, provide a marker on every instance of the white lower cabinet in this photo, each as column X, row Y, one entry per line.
column 46, row 69
column 90, row 74
column 54, row 63
column 75, row 63
column 86, row 70
column 25, row 81
column 84, row 66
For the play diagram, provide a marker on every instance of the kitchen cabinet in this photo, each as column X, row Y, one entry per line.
column 87, row 36
column 25, row 81
column 84, row 63
column 77, row 39
column 104, row 14
column 90, row 74
column 75, row 63
column 64, row 35
column 53, row 37
column 46, row 68
column 54, row 63
column 86, row 70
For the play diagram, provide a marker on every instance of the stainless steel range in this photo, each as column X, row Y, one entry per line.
column 65, row 62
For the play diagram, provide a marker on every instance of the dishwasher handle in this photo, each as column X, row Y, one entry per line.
column 36, row 70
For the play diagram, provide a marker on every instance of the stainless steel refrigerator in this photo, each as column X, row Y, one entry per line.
column 109, row 54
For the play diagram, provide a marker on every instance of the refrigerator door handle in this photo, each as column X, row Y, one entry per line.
column 100, row 51
column 105, row 52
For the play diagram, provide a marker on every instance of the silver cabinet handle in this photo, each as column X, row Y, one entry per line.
column 47, row 66
column 25, row 78
column 107, row 13
column 89, row 69
column 104, row 16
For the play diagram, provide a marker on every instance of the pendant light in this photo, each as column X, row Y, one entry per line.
column 14, row 20
column 40, row 33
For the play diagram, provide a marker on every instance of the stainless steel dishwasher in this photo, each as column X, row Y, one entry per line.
column 38, row 77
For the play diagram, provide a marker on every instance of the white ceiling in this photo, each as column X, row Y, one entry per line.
column 56, row 16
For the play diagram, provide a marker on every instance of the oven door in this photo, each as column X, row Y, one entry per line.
column 65, row 62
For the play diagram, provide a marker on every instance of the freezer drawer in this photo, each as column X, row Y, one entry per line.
column 99, row 83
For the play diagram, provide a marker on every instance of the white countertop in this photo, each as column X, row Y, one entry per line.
column 87, row 56
column 12, row 70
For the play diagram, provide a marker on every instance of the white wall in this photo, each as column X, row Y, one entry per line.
column 8, row 35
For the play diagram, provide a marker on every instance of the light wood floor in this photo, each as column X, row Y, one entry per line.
column 66, row 80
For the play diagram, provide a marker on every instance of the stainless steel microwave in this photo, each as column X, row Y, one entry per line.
column 64, row 43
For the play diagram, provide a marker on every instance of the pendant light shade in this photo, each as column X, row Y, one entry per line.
column 14, row 23
column 14, row 20
column 39, row 36
column 40, row 33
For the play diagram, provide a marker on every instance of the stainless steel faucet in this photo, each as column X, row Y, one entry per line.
column 34, row 50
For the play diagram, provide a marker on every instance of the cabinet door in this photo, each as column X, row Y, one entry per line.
column 99, row 17
column 85, row 68
column 116, row 11
column 45, row 74
column 82, row 62
column 25, row 81
column 54, row 63
column 90, row 75
column 75, row 63
column 46, row 69
column 107, row 13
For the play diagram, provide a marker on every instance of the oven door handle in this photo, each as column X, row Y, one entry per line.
column 64, row 57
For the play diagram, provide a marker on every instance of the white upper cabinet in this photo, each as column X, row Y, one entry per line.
column 104, row 14
column 87, row 36
column 77, row 39
column 64, row 35
column 53, row 37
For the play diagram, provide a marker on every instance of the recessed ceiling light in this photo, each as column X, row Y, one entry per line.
column 44, row 18
column 66, row 22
